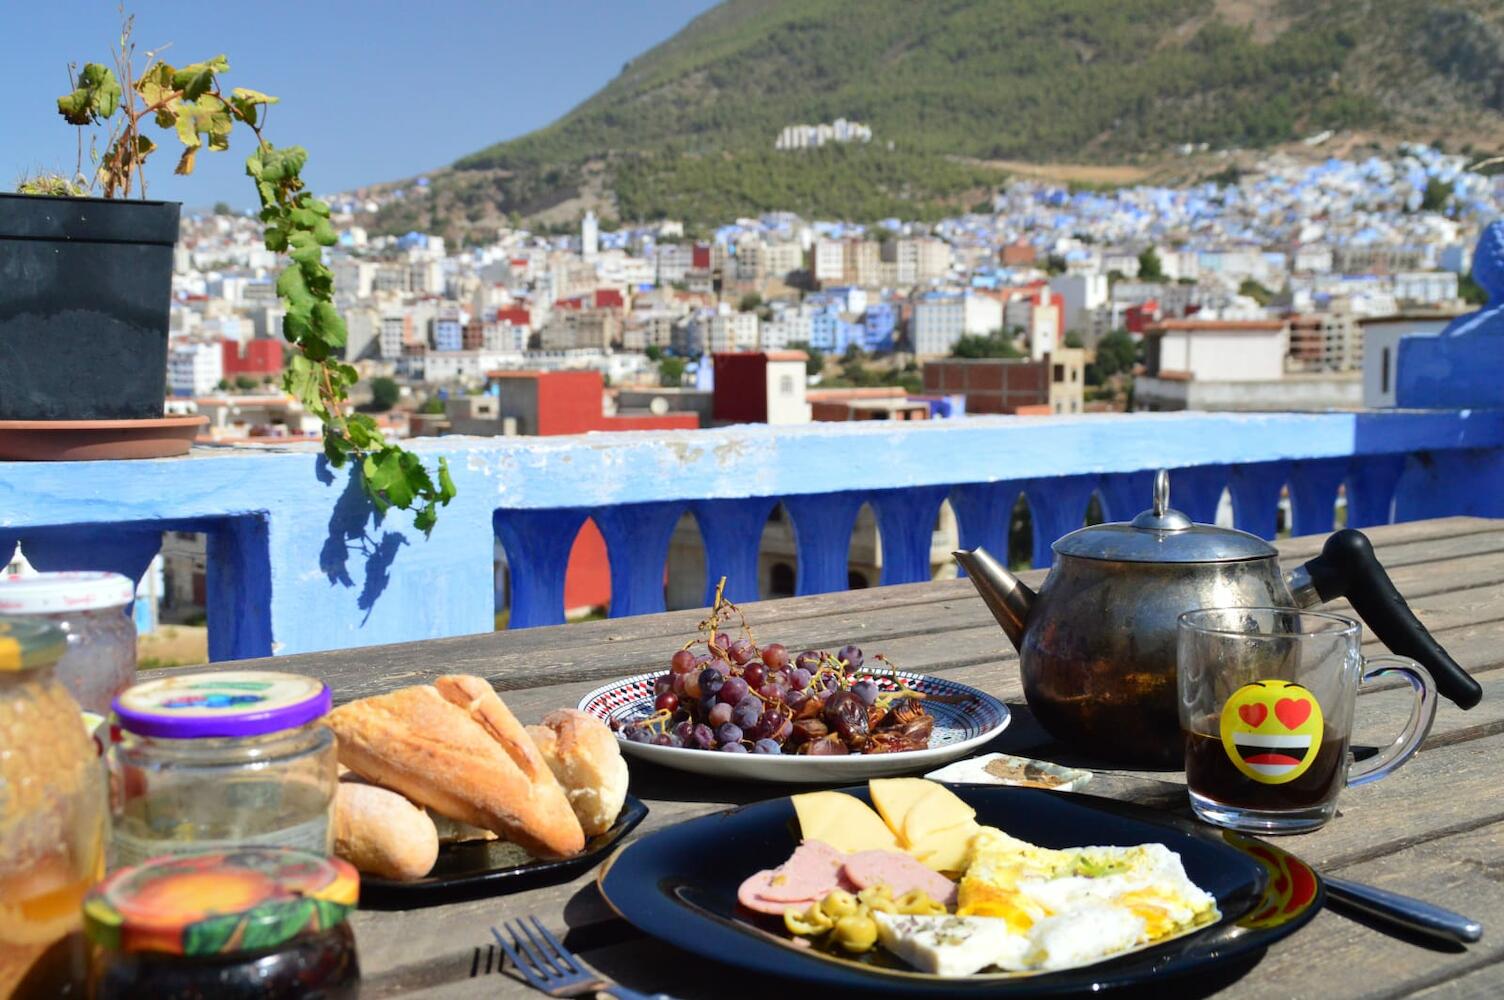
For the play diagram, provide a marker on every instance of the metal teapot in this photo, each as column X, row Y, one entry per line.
column 1097, row 642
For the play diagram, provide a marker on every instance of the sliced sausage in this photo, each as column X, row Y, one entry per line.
column 899, row 872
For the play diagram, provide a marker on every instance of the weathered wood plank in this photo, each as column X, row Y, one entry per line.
column 1348, row 959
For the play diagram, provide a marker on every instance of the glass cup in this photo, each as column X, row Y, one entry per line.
column 1266, row 709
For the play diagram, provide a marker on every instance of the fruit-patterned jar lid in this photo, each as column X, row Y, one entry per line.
column 221, row 703
column 26, row 643
column 220, row 902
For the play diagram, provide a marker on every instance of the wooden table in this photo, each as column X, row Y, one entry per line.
column 1433, row 830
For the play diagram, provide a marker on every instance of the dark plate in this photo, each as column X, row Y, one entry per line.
column 676, row 884
column 484, row 868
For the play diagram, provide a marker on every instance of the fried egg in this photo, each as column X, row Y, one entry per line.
column 1058, row 909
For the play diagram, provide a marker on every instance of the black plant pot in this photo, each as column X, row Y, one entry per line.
column 85, row 289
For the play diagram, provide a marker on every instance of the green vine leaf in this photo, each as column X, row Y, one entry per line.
column 95, row 98
column 197, row 79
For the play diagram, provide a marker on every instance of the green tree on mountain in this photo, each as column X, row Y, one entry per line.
column 1149, row 268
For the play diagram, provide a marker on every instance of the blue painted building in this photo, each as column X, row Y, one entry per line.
column 880, row 326
column 448, row 334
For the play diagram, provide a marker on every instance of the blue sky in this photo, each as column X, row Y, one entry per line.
column 375, row 89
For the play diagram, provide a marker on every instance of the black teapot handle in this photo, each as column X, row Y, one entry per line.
column 1348, row 568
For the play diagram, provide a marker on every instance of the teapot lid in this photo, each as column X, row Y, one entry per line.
column 1162, row 534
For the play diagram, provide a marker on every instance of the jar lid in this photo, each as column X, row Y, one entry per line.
column 221, row 703
column 49, row 593
column 28, row 642
column 220, row 902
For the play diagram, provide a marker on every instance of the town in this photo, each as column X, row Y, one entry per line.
column 1284, row 289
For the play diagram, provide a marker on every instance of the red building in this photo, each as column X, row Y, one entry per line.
column 1137, row 319
column 700, row 257
column 548, row 403
column 515, row 315
column 255, row 358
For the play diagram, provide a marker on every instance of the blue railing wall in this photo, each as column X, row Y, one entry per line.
column 299, row 561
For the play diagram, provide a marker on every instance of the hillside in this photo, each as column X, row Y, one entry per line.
column 687, row 129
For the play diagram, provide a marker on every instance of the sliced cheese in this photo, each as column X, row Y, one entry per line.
column 938, row 809
column 947, row 850
column 895, row 798
column 845, row 823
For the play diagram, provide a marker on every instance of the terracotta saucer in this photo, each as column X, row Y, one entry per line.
column 92, row 440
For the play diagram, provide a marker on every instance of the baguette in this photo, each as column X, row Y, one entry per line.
column 454, row 747
column 586, row 759
column 382, row 833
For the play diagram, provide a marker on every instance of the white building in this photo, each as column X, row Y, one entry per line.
column 829, row 260
column 195, row 368
column 1083, row 294
column 1218, row 350
column 1381, row 342
column 941, row 321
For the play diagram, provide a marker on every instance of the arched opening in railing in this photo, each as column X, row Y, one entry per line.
column 1095, row 510
column 944, row 540
column 864, row 553
column 587, row 579
column 1284, row 513
column 1225, row 517
column 684, row 577
column 1340, row 511
column 777, row 555
column 1021, row 534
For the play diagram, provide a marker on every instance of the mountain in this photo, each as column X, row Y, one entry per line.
column 952, row 87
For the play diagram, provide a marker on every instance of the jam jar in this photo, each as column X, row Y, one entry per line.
column 52, row 801
column 216, row 760
column 92, row 609
column 262, row 922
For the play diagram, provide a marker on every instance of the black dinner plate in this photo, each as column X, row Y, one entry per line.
column 679, row 884
column 483, row 868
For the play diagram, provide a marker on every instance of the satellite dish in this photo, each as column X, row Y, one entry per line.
column 659, row 406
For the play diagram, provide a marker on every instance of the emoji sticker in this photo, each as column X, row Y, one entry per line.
column 1271, row 731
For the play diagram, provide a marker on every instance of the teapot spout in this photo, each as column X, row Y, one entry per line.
column 1005, row 595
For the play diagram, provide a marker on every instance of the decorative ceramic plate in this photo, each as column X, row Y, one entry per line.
column 965, row 718
column 493, row 867
column 670, row 886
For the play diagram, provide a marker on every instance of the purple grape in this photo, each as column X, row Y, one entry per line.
column 766, row 746
column 754, row 674
column 728, row 733
column 684, row 732
column 773, row 692
column 732, row 690
column 732, row 748
column 808, row 660
column 707, row 702
column 703, row 737
column 663, row 685
column 711, row 680
column 677, row 684
column 799, row 679
column 747, row 712
column 865, row 690
column 775, row 656
column 682, row 661
column 663, row 740
column 638, row 734
column 742, row 651
column 703, row 660
column 851, row 656
column 720, row 714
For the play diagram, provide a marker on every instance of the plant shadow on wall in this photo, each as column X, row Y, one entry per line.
column 189, row 103
column 352, row 526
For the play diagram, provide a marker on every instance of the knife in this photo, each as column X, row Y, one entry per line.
column 1414, row 915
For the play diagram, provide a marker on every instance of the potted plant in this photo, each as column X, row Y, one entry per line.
column 85, row 283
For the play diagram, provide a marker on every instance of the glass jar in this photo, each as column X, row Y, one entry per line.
column 267, row 923
column 92, row 609
column 52, row 800
column 212, row 761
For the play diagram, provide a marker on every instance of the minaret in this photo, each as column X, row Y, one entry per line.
column 590, row 236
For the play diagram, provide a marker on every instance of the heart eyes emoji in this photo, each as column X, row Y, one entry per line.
column 1253, row 713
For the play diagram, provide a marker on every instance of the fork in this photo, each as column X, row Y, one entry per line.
column 554, row 969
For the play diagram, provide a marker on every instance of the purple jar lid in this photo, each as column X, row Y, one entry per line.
column 222, row 703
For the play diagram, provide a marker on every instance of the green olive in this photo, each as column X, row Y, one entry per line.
column 856, row 934
column 839, row 904
column 879, row 898
column 920, row 903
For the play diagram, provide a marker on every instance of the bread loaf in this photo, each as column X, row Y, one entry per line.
column 454, row 747
column 586, row 759
column 382, row 833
